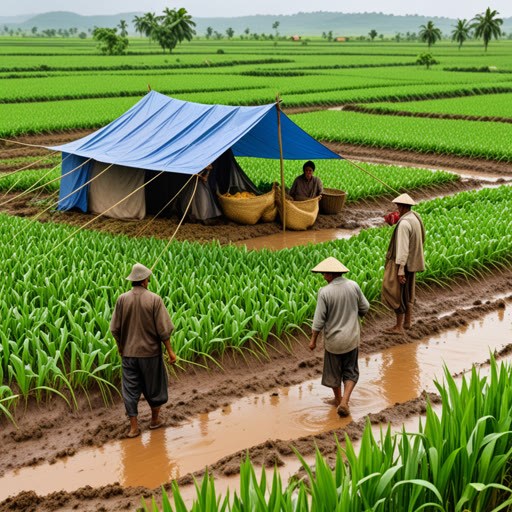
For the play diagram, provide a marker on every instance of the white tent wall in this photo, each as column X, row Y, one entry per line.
column 113, row 186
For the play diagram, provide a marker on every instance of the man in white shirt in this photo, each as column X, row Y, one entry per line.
column 403, row 259
column 339, row 306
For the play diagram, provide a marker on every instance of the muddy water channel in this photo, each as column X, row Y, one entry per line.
column 279, row 241
column 394, row 375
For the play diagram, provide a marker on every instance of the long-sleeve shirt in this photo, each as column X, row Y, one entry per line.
column 140, row 323
column 339, row 306
column 409, row 243
column 304, row 189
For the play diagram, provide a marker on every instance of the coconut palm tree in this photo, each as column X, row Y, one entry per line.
column 138, row 22
column 461, row 32
column 487, row 26
column 176, row 26
column 429, row 34
column 150, row 21
column 123, row 26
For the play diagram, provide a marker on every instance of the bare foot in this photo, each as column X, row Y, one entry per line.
column 133, row 433
column 158, row 424
column 343, row 410
column 331, row 401
column 394, row 330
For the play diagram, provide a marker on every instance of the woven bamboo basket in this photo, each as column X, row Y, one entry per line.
column 247, row 210
column 300, row 215
column 332, row 200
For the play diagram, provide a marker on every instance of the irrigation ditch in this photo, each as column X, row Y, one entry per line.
column 265, row 420
column 80, row 460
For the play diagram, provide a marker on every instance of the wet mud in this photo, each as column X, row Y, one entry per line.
column 289, row 415
column 358, row 215
column 52, row 433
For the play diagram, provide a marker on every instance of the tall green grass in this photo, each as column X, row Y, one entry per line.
column 456, row 462
column 56, row 305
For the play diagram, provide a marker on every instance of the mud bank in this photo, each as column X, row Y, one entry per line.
column 276, row 451
column 362, row 214
column 413, row 159
column 51, row 431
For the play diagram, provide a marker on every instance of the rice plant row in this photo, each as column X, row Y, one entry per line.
column 334, row 174
column 107, row 85
column 489, row 105
column 28, row 118
column 456, row 461
column 55, row 307
column 475, row 139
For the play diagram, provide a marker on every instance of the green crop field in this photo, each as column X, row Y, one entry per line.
column 55, row 312
column 490, row 105
column 445, row 136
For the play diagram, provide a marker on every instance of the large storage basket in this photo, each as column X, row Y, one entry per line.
column 300, row 215
column 248, row 210
column 332, row 200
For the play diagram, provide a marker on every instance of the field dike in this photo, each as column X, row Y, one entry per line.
column 355, row 216
column 215, row 417
column 433, row 115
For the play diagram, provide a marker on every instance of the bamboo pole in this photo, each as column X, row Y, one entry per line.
column 370, row 174
column 179, row 225
column 27, row 166
column 283, row 196
column 154, row 218
column 57, row 202
column 106, row 211
column 32, row 189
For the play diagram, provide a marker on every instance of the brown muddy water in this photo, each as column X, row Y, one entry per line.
column 279, row 241
column 395, row 375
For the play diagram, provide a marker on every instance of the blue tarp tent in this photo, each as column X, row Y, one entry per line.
column 160, row 133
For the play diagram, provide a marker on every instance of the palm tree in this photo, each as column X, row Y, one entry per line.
column 138, row 22
column 176, row 26
column 150, row 21
column 122, row 26
column 487, row 26
column 461, row 32
column 372, row 34
column 429, row 34
column 209, row 32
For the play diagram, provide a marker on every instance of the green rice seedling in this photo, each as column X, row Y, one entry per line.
column 61, row 304
column 457, row 462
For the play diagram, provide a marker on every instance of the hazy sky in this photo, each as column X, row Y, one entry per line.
column 209, row 8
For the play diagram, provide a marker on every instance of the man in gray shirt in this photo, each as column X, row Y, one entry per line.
column 140, row 325
column 339, row 306
column 306, row 186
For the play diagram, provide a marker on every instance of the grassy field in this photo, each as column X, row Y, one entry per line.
column 49, row 85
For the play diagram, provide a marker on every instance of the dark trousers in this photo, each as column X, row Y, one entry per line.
column 407, row 292
column 144, row 376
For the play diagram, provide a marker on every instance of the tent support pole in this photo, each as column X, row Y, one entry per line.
column 283, row 197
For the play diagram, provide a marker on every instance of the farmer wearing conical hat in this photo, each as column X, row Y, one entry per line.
column 403, row 259
column 339, row 306
column 140, row 325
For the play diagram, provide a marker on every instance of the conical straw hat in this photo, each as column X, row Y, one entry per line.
column 139, row 273
column 330, row 265
column 404, row 199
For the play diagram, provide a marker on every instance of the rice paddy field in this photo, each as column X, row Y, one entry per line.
column 245, row 393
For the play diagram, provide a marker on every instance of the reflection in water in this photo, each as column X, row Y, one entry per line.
column 149, row 451
column 279, row 241
column 400, row 375
column 393, row 375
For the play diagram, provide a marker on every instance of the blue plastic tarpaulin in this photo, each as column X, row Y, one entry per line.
column 165, row 134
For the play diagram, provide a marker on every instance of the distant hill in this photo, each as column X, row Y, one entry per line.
column 304, row 24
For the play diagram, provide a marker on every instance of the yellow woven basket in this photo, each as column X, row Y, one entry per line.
column 248, row 210
column 332, row 200
column 300, row 215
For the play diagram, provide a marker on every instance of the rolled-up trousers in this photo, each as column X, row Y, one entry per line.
column 144, row 376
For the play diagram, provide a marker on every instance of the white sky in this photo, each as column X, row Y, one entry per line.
column 229, row 8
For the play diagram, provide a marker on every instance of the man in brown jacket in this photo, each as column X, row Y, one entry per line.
column 403, row 259
column 140, row 325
